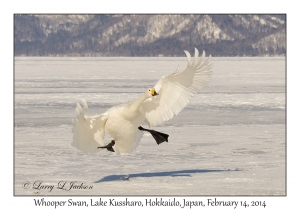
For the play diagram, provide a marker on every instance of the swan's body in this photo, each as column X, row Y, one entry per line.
column 168, row 97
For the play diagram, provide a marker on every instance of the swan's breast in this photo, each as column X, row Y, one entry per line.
column 122, row 122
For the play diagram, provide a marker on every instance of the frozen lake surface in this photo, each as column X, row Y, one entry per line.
column 229, row 140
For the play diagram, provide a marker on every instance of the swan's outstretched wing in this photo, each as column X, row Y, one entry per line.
column 176, row 89
column 88, row 130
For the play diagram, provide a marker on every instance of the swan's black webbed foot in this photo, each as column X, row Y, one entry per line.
column 109, row 147
column 158, row 136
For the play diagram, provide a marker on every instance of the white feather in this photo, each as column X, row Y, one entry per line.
column 195, row 57
column 88, row 131
column 86, row 108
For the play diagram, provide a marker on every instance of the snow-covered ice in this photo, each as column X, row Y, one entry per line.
column 229, row 140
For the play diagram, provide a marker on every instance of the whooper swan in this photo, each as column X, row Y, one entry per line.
column 159, row 104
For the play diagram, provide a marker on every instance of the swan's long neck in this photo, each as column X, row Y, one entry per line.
column 135, row 105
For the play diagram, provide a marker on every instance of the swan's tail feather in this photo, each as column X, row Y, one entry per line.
column 86, row 108
column 88, row 131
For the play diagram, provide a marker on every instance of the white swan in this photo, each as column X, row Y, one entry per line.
column 168, row 97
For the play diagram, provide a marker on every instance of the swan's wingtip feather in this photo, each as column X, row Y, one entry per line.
column 195, row 56
column 188, row 55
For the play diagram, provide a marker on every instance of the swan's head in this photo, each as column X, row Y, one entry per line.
column 151, row 92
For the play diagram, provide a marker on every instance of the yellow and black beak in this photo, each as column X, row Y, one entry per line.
column 154, row 93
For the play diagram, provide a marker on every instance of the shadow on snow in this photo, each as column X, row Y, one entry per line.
column 159, row 174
